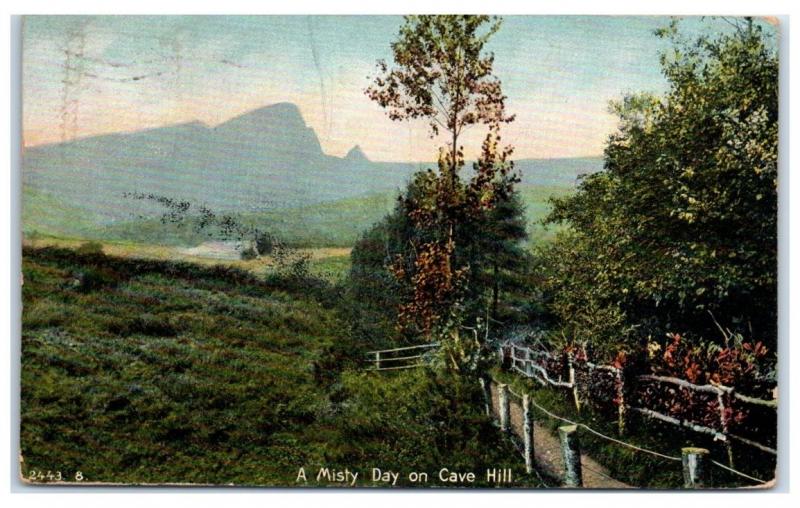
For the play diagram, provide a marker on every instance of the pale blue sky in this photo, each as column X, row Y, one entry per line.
column 90, row 75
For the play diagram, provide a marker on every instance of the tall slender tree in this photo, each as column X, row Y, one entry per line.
column 444, row 75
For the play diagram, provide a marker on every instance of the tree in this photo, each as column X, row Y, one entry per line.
column 679, row 232
column 501, row 236
column 444, row 76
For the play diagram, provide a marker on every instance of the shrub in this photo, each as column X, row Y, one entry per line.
column 248, row 254
column 265, row 244
column 91, row 278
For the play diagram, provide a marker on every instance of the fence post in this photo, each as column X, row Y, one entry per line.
column 695, row 468
column 377, row 360
column 502, row 397
column 573, row 380
column 513, row 356
column 571, row 450
column 621, row 409
column 527, row 427
column 723, row 421
column 487, row 395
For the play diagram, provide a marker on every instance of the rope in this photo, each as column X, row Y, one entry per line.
column 631, row 446
column 599, row 434
column 628, row 445
column 723, row 466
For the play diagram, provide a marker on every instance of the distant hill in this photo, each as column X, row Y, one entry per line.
column 265, row 160
column 330, row 224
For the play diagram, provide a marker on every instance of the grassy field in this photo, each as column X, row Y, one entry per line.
column 151, row 371
column 335, row 224
column 142, row 375
column 329, row 263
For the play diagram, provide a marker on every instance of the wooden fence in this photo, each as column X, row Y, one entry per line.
column 514, row 412
column 399, row 358
column 515, row 417
column 533, row 364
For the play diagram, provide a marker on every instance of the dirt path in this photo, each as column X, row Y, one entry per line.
column 547, row 451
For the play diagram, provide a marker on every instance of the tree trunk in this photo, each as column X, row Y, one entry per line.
column 495, row 293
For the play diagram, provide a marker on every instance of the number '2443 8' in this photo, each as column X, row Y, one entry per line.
column 40, row 475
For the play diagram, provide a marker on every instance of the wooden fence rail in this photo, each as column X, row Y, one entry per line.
column 381, row 358
column 531, row 364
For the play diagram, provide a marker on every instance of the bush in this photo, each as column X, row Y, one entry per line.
column 248, row 254
column 265, row 244
column 679, row 231
column 435, row 420
column 91, row 278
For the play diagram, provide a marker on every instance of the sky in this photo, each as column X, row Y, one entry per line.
column 85, row 76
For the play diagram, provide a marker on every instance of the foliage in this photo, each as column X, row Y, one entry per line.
column 90, row 248
column 163, row 372
column 248, row 253
column 443, row 75
column 738, row 364
column 264, row 244
column 742, row 365
column 682, row 222
column 428, row 414
column 422, row 286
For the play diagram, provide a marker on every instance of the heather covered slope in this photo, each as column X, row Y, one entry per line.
column 151, row 371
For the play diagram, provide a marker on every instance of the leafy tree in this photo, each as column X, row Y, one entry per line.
column 501, row 237
column 264, row 243
column 443, row 75
column 372, row 291
column 679, row 232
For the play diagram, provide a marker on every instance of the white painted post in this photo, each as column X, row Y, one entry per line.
column 487, row 396
column 513, row 356
column 377, row 360
column 502, row 395
column 695, row 469
column 573, row 380
column 527, row 426
column 571, row 451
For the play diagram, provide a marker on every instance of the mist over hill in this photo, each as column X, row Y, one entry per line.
column 264, row 160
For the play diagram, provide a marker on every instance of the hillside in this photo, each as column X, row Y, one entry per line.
column 330, row 224
column 264, row 159
column 152, row 371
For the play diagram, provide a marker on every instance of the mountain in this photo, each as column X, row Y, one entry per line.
column 264, row 160
column 275, row 132
column 356, row 155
